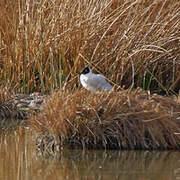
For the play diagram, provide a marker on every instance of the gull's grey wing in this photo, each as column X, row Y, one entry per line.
column 99, row 82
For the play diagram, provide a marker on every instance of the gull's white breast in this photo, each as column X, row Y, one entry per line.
column 94, row 82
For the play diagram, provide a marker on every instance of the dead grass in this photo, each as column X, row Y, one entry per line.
column 110, row 120
column 43, row 44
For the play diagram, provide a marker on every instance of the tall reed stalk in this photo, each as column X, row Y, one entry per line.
column 43, row 44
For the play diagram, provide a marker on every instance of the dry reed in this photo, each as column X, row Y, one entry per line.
column 110, row 120
column 43, row 44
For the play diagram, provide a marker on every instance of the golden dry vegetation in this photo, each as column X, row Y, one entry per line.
column 134, row 43
column 110, row 120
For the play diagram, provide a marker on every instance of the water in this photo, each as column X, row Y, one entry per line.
column 20, row 160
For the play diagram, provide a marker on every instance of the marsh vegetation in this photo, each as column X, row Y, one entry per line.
column 44, row 44
column 109, row 120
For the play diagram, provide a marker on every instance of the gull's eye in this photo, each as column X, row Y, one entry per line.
column 86, row 70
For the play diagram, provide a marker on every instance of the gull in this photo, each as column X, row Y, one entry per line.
column 93, row 82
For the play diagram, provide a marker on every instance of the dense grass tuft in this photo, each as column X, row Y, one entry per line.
column 43, row 44
column 110, row 120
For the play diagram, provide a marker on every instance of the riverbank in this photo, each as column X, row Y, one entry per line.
column 43, row 47
column 108, row 120
column 15, row 109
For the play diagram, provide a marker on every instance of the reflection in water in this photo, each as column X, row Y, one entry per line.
column 20, row 160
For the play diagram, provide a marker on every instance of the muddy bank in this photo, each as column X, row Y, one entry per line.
column 16, row 109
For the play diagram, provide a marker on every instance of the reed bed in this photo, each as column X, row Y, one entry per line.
column 108, row 120
column 134, row 43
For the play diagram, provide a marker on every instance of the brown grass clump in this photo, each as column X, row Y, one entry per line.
column 112, row 120
column 43, row 44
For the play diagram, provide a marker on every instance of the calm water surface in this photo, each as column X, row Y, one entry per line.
column 20, row 160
